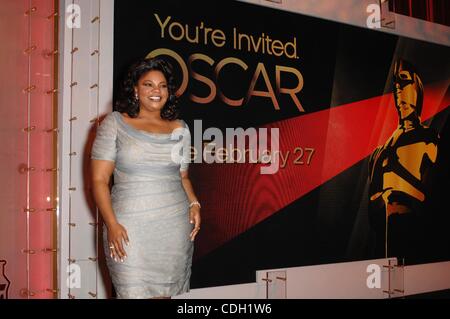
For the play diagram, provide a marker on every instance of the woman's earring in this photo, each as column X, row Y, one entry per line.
column 136, row 97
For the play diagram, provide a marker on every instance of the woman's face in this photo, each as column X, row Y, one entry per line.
column 152, row 90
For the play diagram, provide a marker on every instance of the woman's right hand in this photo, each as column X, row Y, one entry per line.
column 117, row 235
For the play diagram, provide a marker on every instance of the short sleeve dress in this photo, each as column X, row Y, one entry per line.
column 149, row 200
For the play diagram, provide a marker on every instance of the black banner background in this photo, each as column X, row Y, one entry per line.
column 340, row 64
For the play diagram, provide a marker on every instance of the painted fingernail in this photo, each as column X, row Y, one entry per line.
column 121, row 260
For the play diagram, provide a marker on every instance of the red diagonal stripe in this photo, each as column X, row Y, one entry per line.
column 236, row 196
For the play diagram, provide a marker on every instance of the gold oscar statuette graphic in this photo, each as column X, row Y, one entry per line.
column 399, row 170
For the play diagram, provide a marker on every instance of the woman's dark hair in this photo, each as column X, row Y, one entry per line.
column 127, row 102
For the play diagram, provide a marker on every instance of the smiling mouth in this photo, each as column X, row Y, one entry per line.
column 155, row 98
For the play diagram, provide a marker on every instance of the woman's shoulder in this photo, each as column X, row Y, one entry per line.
column 180, row 123
column 117, row 114
column 185, row 126
column 110, row 119
column 111, row 115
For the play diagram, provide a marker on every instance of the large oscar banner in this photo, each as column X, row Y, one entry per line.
column 312, row 141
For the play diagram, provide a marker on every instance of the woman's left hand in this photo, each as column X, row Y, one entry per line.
column 194, row 218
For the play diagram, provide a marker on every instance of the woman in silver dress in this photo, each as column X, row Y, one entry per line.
column 151, row 216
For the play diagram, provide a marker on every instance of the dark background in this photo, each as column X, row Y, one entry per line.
column 340, row 64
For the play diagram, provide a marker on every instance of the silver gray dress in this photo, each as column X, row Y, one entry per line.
column 150, row 202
